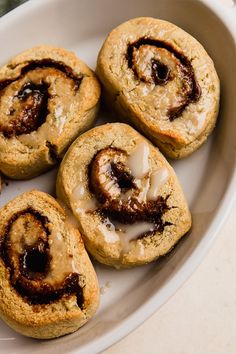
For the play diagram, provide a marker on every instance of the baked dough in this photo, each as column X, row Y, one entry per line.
column 161, row 80
column 126, row 197
column 48, row 97
column 48, row 286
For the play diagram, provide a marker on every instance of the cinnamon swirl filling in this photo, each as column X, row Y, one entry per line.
column 158, row 62
column 26, row 99
column 122, row 196
column 40, row 267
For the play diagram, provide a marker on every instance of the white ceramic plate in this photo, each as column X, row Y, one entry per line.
column 208, row 176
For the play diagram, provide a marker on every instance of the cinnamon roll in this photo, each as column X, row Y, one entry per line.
column 48, row 286
column 127, row 199
column 48, row 97
column 160, row 79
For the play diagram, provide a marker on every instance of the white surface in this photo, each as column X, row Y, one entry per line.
column 207, row 176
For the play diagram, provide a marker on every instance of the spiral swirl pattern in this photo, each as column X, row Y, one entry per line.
column 31, row 92
column 26, row 252
column 161, row 80
column 121, row 195
column 125, row 196
column 158, row 62
column 48, row 97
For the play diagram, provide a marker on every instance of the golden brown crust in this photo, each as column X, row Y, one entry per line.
column 129, row 85
column 97, row 220
column 26, row 314
column 49, row 97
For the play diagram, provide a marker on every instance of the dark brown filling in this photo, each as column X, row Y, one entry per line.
column 122, row 177
column 28, row 269
column 132, row 212
column 34, row 111
column 114, row 204
column 161, row 72
column 34, row 261
column 34, row 98
column 40, row 64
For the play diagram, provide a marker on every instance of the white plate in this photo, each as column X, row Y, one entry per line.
column 208, row 176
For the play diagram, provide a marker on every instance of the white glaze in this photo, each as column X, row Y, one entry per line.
column 128, row 233
column 83, row 206
column 81, row 201
column 62, row 262
column 48, row 131
column 198, row 118
column 138, row 161
column 144, row 188
column 115, row 231
column 131, row 231
column 60, row 118
column 108, row 231
column 157, row 179
column 79, row 191
column 61, row 123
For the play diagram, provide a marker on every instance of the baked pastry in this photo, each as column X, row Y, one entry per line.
column 161, row 80
column 45, row 272
column 48, row 97
column 127, row 199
